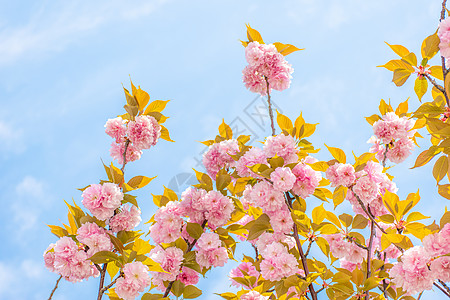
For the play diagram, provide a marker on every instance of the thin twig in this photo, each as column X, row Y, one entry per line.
column 433, row 82
column 124, row 155
column 308, row 249
column 444, row 285
column 54, row 289
column 359, row 245
column 111, row 284
column 102, row 281
column 190, row 247
column 369, row 253
column 444, row 68
column 270, row 106
column 300, row 250
column 442, row 289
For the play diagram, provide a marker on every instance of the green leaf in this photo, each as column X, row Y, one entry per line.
column 359, row 222
column 195, row 230
column 138, row 182
column 258, row 227
column 191, row 292
column 104, row 257
column 400, row 76
column 178, row 288
column 420, row 87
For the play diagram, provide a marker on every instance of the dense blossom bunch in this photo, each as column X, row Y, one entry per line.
column 250, row 158
column 420, row 266
column 283, row 146
column 368, row 185
column 244, row 269
column 253, row 295
column 69, row 260
column 95, row 237
column 102, row 199
column 142, row 133
column 265, row 63
column 278, row 263
column 346, row 250
column 168, row 223
column 444, row 37
column 210, row 252
column 134, row 281
column 393, row 134
column 218, row 156
column 128, row 218
column 170, row 260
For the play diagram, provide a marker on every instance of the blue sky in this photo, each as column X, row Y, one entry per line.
column 61, row 69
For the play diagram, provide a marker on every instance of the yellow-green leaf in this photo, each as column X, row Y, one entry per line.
column 284, row 122
column 337, row 153
column 430, row 46
column 286, row 49
column 400, row 76
column 440, row 168
column 399, row 49
column 225, row 130
column 191, row 292
column 420, row 87
column 156, row 106
column 195, row 230
column 165, row 134
column 253, row 35
column 436, row 72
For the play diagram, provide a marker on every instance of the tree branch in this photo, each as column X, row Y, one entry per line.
column 300, row 250
column 308, row 249
column 369, row 253
column 444, row 285
column 270, row 106
column 111, row 284
column 442, row 289
column 124, row 155
column 54, row 289
column 102, row 281
column 190, row 247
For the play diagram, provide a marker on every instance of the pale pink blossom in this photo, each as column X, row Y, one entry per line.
column 208, row 241
column 117, row 151
column 116, row 129
column 127, row 219
column 218, row 156
column 244, row 269
column 283, row 179
column 307, row 180
column 440, row 268
column 144, row 132
column 444, row 36
column 188, row 276
column 216, row 257
column 102, row 200
column 95, row 237
column 250, row 158
column 253, row 295
column 283, row 146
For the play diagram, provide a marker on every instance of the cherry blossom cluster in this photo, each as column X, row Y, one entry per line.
column 198, row 206
column 349, row 253
column 70, row 260
column 134, row 281
column 253, row 295
column 170, row 260
column 278, row 263
column 444, row 36
column 96, row 238
column 368, row 185
column 265, row 63
column 210, row 252
column 420, row 266
column 142, row 133
column 393, row 134
column 244, row 269
column 218, row 156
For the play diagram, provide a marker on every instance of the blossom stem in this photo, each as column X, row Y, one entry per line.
column 439, row 87
column 54, row 289
column 369, row 253
column 111, row 284
column 270, row 106
column 442, row 289
column 308, row 249
column 102, row 281
column 300, row 250
column 125, row 155
column 190, row 247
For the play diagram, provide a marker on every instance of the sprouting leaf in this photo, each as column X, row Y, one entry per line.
column 165, row 134
column 286, row 49
column 337, row 153
column 430, row 46
column 420, row 87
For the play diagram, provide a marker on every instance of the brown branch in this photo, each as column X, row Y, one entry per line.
column 442, row 289
column 444, row 68
column 444, row 285
column 359, row 245
column 300, row 250
column 190, row 247
column 443, row 10
column 124, row 155
column 270, row 105
column 308, row 249
column 369, row 253
column 102, row 281
column 54, row 289
column 111, row 284
column 433, row 82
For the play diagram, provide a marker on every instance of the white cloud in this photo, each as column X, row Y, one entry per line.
column 30, row 186
column 11, row 137
column 53, row 29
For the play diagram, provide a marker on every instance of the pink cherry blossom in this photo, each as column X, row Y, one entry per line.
column 244, row 269
column 128, row 218
column 283, row 146
column 250, row 158
column 144, row 132
column 116, row 129
column 444, row 36
column 283, row 179
column 218, row 156
column 307, row 180
column 117, row 151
